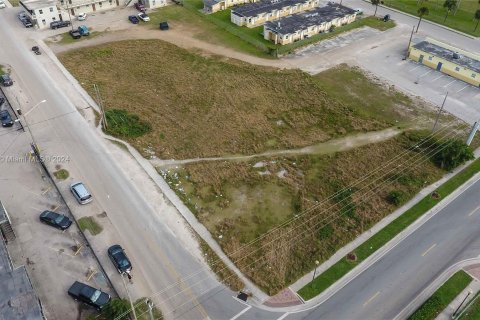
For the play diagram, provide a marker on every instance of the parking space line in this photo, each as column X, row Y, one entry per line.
column 425, row 253
column 283, row 316
column 463, row 88
column 62, row 252
column 441, row 76
column 241, row 312
column 449, row 83
column 371, row 299
column 426, row 73
column 415, row 68
column 475, row 210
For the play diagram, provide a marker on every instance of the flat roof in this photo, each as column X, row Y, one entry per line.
column 38, row 4
column 262, row 6
column 447, row 54
column 17, row 297
column 309, row 18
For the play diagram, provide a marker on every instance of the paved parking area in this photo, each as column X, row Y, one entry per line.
column 51, row 256
column 441, row 81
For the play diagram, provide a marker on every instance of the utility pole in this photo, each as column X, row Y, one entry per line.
column 469, row 293
column 315, row 270
column 472, row 133
column 100, row 104
column 24, row 116
column 150, row 308
column 409, row 42
column 439, row 112
column 129, row 298
column 69, row 16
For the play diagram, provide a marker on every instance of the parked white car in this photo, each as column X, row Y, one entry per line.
column 2, row 4
column 82, row 16
column 143, row 16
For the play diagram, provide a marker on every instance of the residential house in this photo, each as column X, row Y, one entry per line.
column 211, row 6
column 41, row 12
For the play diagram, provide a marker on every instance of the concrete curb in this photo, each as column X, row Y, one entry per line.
column 424, row 20
column 428, row 291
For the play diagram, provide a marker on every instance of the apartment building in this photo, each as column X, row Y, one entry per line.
column 211, row 6
column 41, row 12
column 445, row 58
column 255, row 14
column 75, row 7
column 304, row 25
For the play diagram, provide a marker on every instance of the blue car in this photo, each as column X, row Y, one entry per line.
column 133, row 19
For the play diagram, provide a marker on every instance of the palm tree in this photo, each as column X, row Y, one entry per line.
column 477, row 17
column 449, row 5
column 375, row 3
column 423, row 11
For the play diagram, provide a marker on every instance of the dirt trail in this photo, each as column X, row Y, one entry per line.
column 331, row 146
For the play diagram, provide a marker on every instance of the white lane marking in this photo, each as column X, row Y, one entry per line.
column 283, row 316
column 415, row 68
column 425, row 253
column 475, row 210
column 462, row 88
column 441, row 76
column 449, row 83
column 371, row 298
column 241, row 312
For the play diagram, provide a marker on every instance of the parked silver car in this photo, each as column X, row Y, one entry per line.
column 81, row 193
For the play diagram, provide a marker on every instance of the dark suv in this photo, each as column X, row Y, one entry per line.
column 6, row 119
column 119, row 259
column 6, row 80
column 59, row 24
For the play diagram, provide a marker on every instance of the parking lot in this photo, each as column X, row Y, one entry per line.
column 54, row 259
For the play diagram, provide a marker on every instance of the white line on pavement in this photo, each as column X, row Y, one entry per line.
column 283, row 316
column 441, row 76
column 426, row 73
column 462, row 88
column 425, row 253
column 241, row 312
column 449, row 83
column 414, row 68
column 371, row 298
column 475, row 210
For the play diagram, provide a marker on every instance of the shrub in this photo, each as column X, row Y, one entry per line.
column 396, row 197
column 453, row 154
column 124, row 124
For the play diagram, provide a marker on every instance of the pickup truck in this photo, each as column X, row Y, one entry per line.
column 88, row 295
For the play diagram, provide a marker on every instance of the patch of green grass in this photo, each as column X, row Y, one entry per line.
column 3, row 69
column 61, row 174
column 142, row 313
column 442, row 297
column 338, row 270
column 14, row 3
column 89, row 223
column 472, row 310
column 66, row 38
column 121, row 123
column 463, row 20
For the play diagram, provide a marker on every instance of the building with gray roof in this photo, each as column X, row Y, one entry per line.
column 257, row 13
column 304, row 25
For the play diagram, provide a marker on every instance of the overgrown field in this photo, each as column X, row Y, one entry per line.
column 180, row 105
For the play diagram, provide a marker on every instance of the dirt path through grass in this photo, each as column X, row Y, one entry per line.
column 331, row 146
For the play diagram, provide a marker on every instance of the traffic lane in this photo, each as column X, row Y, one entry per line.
column 112, row 190
column 409, row 267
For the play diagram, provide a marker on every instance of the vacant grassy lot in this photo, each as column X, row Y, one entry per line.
column 442, row 297
column 207, row 106
column 218, row 29
column 463, row 20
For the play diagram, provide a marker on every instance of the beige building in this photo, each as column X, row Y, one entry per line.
column 304, row 25
column 211, row 6
column 41, row 12
column 442, row 57
column 255, row 14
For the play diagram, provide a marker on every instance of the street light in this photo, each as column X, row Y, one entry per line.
column 315, row 270
column 26, row 123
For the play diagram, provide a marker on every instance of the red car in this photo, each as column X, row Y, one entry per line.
column 139, row 6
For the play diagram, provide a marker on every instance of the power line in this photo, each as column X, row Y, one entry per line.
column 311, row 209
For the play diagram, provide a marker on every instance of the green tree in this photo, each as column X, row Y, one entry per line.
column 375, row 3
column 477, row 17
column 449, row 5
column 423, row 11
column 115, row 308
column 454, row 153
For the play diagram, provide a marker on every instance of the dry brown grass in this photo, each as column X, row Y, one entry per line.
column 202, row 106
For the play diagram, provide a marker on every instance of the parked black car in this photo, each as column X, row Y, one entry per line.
column 59, row 24
column 164, row 25
column 75, row 34
column 133, row 19
column 6, row 119
column 88, row 295
column 6, row 80
column 56, row 220
column 36, row 50
column 119, row 259
column 27, row 23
